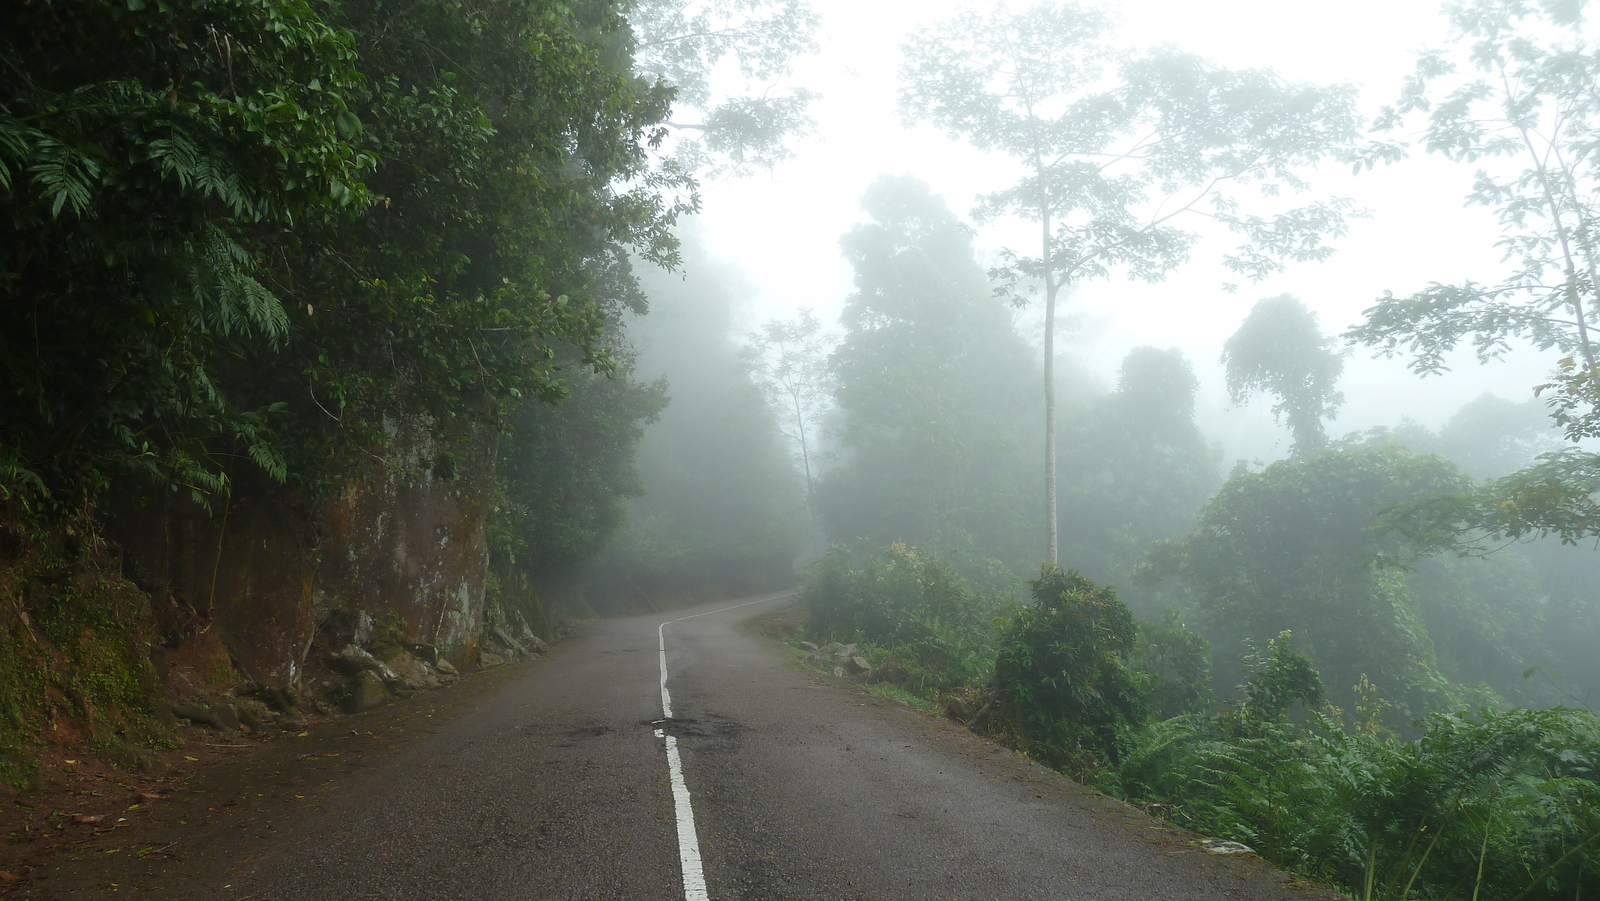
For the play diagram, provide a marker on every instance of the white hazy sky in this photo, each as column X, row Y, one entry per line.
column 783, row 229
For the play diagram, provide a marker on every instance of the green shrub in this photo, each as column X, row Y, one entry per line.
column 907, row 602
column 1486, row 805
column 1062, row 672
column 1175, row 664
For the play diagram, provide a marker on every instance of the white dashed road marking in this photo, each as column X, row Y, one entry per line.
column 694, row 879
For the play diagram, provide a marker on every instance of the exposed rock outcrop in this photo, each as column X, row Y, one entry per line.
column 385, row 575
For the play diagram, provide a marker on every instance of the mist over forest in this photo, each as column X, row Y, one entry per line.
column 1213, row 423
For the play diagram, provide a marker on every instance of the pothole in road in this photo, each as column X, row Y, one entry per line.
column 543, row 730
column 709, row 726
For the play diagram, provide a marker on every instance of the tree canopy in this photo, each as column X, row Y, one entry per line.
column 1514, row 96
column 1137, row 468
column 250, row 230
column 931, row 385
column 728, row 132
column 1294, row 547
column 1279, row 350
column 1119, row 151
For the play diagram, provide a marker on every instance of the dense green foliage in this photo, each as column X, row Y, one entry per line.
column 253, row 229
column 909, row 603
column 1062, row 671
column 499, row 131
column 1492, row 805
column 1175, row 662
column 153, row 159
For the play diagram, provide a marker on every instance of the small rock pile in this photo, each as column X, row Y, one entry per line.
column 507, row 637
column 380, row 662
column 260, row 711
column 842, row 659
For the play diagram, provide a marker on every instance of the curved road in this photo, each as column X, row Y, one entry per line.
column 555, row 784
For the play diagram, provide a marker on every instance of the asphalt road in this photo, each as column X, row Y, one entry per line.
column 553, row 783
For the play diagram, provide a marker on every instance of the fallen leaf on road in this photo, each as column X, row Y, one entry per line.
column 87, row 818
column 150, row 796
column 9, row 877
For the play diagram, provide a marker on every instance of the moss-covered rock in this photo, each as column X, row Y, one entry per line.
column 366, row 692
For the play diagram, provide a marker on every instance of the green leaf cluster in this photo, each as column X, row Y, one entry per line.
column 154, row 159
column 1490, row 805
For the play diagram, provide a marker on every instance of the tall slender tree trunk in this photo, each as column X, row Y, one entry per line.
column 1051, row 530
column 805, row 459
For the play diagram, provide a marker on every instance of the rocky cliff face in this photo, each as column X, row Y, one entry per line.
column 401, row 544
column 408, row 541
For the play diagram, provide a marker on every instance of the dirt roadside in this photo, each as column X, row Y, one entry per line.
column 90, row 830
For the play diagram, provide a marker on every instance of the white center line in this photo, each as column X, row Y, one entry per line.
column 694, row 879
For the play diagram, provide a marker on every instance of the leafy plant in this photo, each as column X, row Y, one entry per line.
column 1062, row 671
column 1491, row 805
column 1176, row 664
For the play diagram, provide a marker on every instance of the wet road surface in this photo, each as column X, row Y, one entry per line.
column 553, row 783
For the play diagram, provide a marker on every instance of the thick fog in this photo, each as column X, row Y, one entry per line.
column 783, row 228
column 927, row 428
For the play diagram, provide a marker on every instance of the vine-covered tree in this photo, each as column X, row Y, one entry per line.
column 1119, row 151
column 1279, row 350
